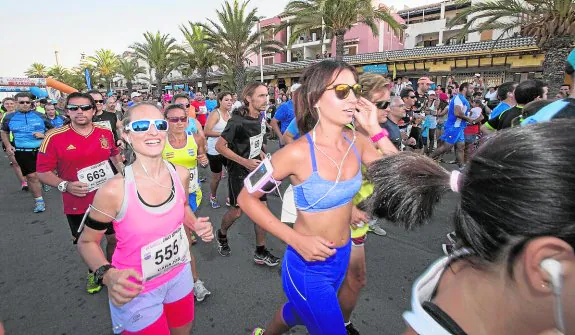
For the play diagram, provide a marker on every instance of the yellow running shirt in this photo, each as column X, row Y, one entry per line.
column 188, row 158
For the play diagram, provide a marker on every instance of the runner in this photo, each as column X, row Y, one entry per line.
column 148, row 281
column 211, row 102
column 79, row 153
column 181, row 149
column 28, row 128
column 471, row 132
column 106, row 119
column 318, row 252
column 241, row 142
column 513, row 266
column 216, row 123
column 506, row 98
column 9, row 105
column 57, row 121
column 457, row 118
column 284, row 115
column 201, row 109
column 525, row 92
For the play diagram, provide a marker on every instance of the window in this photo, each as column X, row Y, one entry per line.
column 268, row 60
column 486, row 35
column 350, row 50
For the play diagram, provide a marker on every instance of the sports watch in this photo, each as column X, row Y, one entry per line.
column 101, row 271
column 63, row 186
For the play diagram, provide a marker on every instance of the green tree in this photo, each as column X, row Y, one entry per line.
column 106, row 64
column 37, row 70
column 234, row 36
column 196, row 54
column 550, row 22
column 130, row 69
column 58, row 72
column 160, row 52
column 336, row 17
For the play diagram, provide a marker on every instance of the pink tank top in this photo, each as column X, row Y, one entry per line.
column 138, row 225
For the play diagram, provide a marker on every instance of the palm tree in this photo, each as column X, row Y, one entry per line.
column 58, row 72
column 550, row 22
column 37, row 70
column 106, row 64
column 234, row 37
column 130, row 69
column 160, row 52
column 196, row 53
column 336, row 17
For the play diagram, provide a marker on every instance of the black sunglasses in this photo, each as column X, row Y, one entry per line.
column 382, row 104
column 412, row 97
column 76, row 107
column 24, row 102
column 342, row 90
column 99, row 101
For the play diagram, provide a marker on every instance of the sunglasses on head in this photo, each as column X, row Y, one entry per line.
column 144, row 124
column 342, row 90
column 82, row 107
column 24, row 102
column 99, row 101
column 177, row 119
column 382, row 104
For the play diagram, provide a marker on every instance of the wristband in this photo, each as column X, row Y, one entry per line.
column 383, row 133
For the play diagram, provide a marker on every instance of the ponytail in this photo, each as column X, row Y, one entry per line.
column 406, row 188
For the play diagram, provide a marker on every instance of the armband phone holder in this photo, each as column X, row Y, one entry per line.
column 261, row 178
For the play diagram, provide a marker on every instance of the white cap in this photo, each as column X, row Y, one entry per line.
column 430, row 92
column 295, row 86
column 135, row 94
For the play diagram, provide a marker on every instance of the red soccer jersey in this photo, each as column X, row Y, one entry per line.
column 67, row 152
column 201, row 111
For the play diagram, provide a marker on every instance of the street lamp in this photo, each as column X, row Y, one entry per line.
column 261, row 56
column 56, row 54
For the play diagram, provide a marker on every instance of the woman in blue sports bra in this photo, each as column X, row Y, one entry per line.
column 325, row 180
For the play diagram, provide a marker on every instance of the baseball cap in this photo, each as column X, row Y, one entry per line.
column 425, row 80
column 443, row 96
column 295, row 86
column 431, row 92
column 135, row 94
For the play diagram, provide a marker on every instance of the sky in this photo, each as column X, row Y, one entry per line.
column 34, row 30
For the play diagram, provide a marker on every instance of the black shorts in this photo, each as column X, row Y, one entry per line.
column 217, row 162
column 416, row 134
column 235, row 185
column 27, row 161
column 74, row 221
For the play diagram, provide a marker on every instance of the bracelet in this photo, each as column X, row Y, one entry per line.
column 383, row 133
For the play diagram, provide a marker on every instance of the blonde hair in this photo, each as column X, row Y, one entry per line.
column 371, row 82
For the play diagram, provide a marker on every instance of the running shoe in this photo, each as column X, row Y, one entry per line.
column 452, row 237
column 223, row 247
column 202, row 179
column 214, row 202
column 46, row 188
column 91, row 285
column 228, row 202
column 376, row 229
column 258, row 331
column 351, row 329
column 40, row 206
column 25, row 186
column 266, row 258
column 200, row 291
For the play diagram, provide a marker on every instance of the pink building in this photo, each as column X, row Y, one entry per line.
column 358, row 40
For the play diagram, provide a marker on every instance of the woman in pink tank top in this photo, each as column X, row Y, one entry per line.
column 149, row 281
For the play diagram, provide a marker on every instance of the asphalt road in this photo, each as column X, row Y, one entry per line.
column 42, row 276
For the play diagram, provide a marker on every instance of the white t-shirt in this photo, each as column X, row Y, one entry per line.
column 491, row 96
column 475, row 112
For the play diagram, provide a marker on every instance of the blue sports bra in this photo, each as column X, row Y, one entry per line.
column 314, row 188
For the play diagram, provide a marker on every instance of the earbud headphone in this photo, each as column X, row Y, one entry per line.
column 555, row 270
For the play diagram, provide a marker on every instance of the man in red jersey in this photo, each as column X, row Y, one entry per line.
column 79, row 154
column 201, row 110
